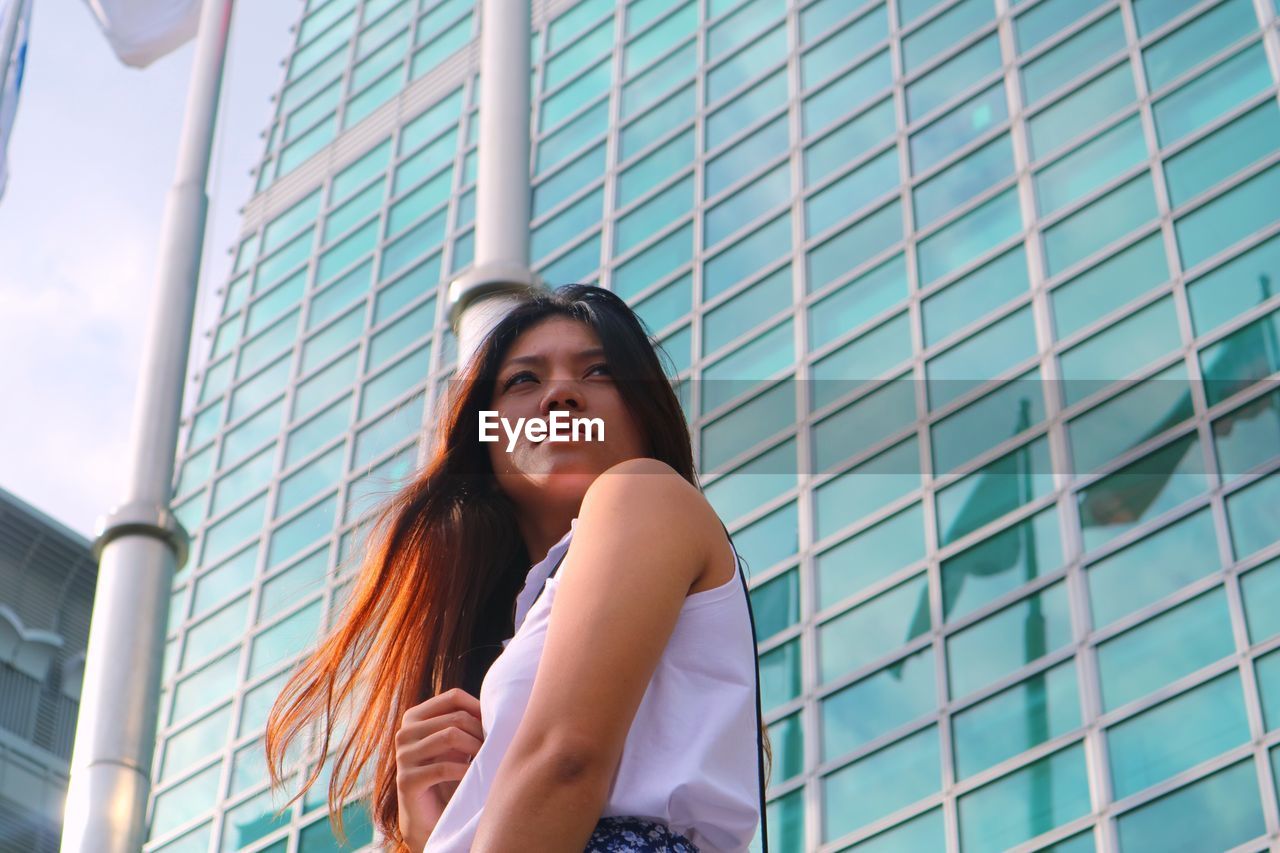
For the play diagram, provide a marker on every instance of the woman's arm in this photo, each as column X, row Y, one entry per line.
column 642, row 540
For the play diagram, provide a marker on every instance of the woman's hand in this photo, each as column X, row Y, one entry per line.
column 434, row 746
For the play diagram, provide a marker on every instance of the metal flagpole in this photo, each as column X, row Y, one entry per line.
column 482, row 296
column 140, row 544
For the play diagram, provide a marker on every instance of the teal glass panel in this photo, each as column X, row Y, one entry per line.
column 1152, row 568
column 957, row 128
column 776, row 604
column 870, row 556
column 672, row 29
column 654, row 262
column 1098, row 161
column 293, row 584
column 1040, row 708
column 669, row 304
column 998, row 415
column 786, row 823
column 976, row 294
column 744, row 368
column 1029, row 801
column 1001, row 563
column 865, row 488
column 1210, row 94
column 747, row 20
column 1251, row 512
column 323, row 345
column 754, row 482
column 1192, row 43
column 184, row 801
column 196, row 471
column 944, row 31
column 356, row 210
column 250, row 434
column 1223, row 153
column 1152, row 746
column 426, row 197
column 1218, row 812
column 1135, row 415
column 748, row 424
column 762, row 99
column 981, row 357
column 675, row 110
column 1000, row 486
column 590, row 85
column 874, row 629
column 215, row 632
column 1109, row 284
column 318, row 837
column 360, row 172
column 1230, row 217
column 642, row 221
column 415, row 243
column 1072, row 239
column 1151, row 15
column 1267, row 671
column 1242, row 358
column 393, row 382
column 857, row 301
column 285, row 639
column 294, row 535
column 434, row 52
column 290, row 222
column 1248, row 436
column 218, row 584
column 750, row 253
column 771, row 539
column 1010, row 638
column 847, row 94
column 569, row 180
column 257, row 703
column 302, row 149
column 270, row 343
column 572, row 136
column 922, row 832
column 1141, row 490
column 746, row 205
column 216, row 679
column 665, row 160
column 378, row 483
column 431, row 122
column 577, row 18
column 325, row 385
column 649, row 86
column 786, row 737
column 1165, row 648
column 247, row 478
column 963, row 240
column 1067, row 60
column 271, row 270
column 575, row 57
column 567, row 224
column 763, row 300
column 340, row 295
column 234, row 529
column 866, row 421
column 390, row 429
column 255, row 818
column 579, row 264
column 1046, row 19
column 1234, row 287
column 1260, row 589
column 1120, row 350
column 863, row 132
column 881, row 783
column 853, row 246
column 952, row 77
column 313, row 478
column 873, row 706
column 963, row 181
column 426, row 161
column 740, row 68
column 876, row 353
column 852, row 192
column 393, row 338
column 410, row 287
column 1077, row 113
column 195, row 742
column 850, row 42
column 780, row 675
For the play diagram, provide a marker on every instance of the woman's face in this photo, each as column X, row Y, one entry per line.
column 558, row 364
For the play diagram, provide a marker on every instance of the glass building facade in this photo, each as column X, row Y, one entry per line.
column 973, row 310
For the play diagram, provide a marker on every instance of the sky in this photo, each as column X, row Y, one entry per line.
column 91, row 159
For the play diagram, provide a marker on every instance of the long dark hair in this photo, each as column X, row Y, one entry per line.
column 434, row 594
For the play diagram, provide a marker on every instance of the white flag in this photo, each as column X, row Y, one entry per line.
column 142, row 31
column 15, row 24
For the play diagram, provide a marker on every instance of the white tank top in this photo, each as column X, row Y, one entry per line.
column 690, row 757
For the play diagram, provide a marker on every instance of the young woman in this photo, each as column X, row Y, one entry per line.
column 605, row 698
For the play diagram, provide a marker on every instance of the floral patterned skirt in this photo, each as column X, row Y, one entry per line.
column 636, row 835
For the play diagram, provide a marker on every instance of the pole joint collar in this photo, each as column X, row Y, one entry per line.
column 489, row 280
column 142, row 519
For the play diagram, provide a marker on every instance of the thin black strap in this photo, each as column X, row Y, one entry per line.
column 764, row 824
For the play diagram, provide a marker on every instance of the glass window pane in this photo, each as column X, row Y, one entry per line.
column 762, row 99
column 215, row 632
column 573, row 58
column 746, row 205
column 393, row 338
column 1164, row 649
column 857, row 301
column 204, row 688
column 300, row 531
column 1027, row 802
column 253, row 819
column 1229, row 218
column 875, row 705
column 981, row 357
column 1040, row 708
column 944, row 31
column 1135, row 415
column 963, row 240
column 976, row 294
column 867, row 357
column 1052, row 70
column 1234, row 287
column 856, row 244
column 870, row 556
column 641, row 222
column 233, row 529
column 747, row 424
column 866, row 487
column 1109, row 284
column 669, row 304
column 852, row 192
column 740, row 68
column 766, row 298
column 1002, row 413
column 196, row 741
column 747, row 366
column 873, row 629
column 956, row 129
column 776, row 604
column 745, row 256
column 1223, row 153
column 675, row 110
column 847, row 94
column 1217, row 812
column 308, row 481
column 1210, row 94
column 864, row 132
column 780, row 675
column 1047, row 19
column 1177, row 734
column 325, row 385
column 881, row 783
column 870, row 419
column 1141, row 490
column 852, row 40
column 922, row 832
column 1001, row 563
column 1251, row 512
column 654, row 262
column 952, row 77
column 754, row 482
column 649, row 86
column 1101, row 159
column 1102, row 222
column 1077, row 113
column 1192, row 43
column 284, row 639
column 185, row 801
column 963, row 180
column 1260, row 589
column 1012, row 637
column 1122, row 349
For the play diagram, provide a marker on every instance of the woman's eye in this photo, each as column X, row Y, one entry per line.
column 603, row 367
column 513, row 380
